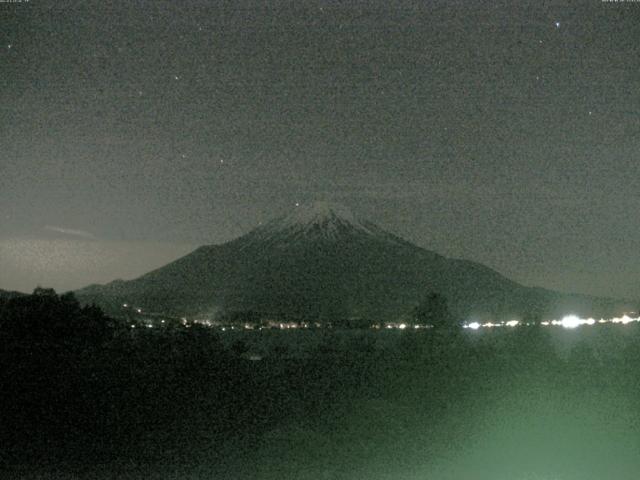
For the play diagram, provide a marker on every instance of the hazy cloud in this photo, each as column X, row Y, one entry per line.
column 74, row 262
column 70, row 231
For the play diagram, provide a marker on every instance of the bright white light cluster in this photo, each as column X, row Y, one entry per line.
column 477, row 325
column 573, row 321
column 569, row 322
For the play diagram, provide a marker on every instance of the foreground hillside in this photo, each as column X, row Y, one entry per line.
column 163, row 404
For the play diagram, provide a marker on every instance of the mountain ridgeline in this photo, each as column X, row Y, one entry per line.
column 8, row 295
column 321, row 263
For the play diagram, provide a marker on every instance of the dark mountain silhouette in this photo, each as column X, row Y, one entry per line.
column 323, row 263
column 9, row 294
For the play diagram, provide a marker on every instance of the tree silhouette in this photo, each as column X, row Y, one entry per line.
column 433, row 310
column 46, row 320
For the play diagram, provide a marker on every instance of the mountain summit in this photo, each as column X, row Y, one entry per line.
column 324, row 220
column 321, row 262
column 320, row 213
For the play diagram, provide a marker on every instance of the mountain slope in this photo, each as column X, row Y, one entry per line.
column 321, row 262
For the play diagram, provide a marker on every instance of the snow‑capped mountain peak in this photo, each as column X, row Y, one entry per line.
column 320, row 211
column 322, row 214
column 320, row 219
column 322, row 262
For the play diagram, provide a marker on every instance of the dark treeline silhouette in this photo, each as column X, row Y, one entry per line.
column 78, row 386
column 434, row 310
column 74, row 382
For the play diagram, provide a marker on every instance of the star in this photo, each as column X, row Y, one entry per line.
column 9, row 46
column 557, row 24
column 297, row 204
column 176, row 77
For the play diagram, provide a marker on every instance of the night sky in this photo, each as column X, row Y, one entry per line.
column 506, row 133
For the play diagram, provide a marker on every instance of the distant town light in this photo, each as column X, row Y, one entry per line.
column 571, row 321
column 512, row 323
column 626, row 319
